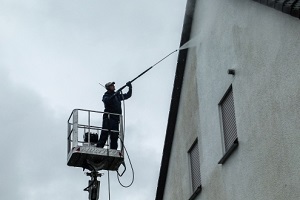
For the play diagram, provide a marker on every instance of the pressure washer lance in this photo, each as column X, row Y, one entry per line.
column 146, row 71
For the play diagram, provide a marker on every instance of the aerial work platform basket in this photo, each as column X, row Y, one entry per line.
column 83, row 152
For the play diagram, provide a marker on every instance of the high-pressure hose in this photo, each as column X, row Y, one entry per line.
column 120, row 90
column 123, row 146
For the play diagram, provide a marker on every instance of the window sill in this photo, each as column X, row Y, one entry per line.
column 229, row 152
column 198, row 190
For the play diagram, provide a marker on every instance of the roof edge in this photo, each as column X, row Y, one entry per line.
column 175, row 99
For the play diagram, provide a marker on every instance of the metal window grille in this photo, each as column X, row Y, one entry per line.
column 195, row 166
column 228, row 119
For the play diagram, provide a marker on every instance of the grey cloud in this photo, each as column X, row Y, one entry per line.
column 53, row 54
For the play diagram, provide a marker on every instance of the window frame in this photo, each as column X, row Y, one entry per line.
column 234, row 145
column 197, row 190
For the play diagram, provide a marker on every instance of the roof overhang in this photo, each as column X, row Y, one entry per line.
column 179, row 75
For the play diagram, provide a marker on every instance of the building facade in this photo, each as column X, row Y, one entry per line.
column 234, row 124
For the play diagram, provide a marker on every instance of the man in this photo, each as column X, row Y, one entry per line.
column 112, row 103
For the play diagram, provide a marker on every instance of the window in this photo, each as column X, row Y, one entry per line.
column 195, row 169
column 228, row 124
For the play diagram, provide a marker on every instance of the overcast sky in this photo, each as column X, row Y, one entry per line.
column 53, row 54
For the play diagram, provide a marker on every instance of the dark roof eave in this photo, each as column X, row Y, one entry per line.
column 179, row 75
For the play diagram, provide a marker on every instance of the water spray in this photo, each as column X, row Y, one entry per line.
column 147, row 70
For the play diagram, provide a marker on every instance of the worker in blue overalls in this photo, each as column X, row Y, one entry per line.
column 112, row 103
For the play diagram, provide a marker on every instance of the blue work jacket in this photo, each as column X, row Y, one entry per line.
column 112, row 102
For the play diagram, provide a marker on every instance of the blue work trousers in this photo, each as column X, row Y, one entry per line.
column 111, row 127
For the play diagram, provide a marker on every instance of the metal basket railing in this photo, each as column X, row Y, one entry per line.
column 82, row 121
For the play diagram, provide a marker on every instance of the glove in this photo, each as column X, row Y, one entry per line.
column 128, row 84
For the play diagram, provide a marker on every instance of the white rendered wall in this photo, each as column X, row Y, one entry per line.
column 179, row 183
column 263, row 46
